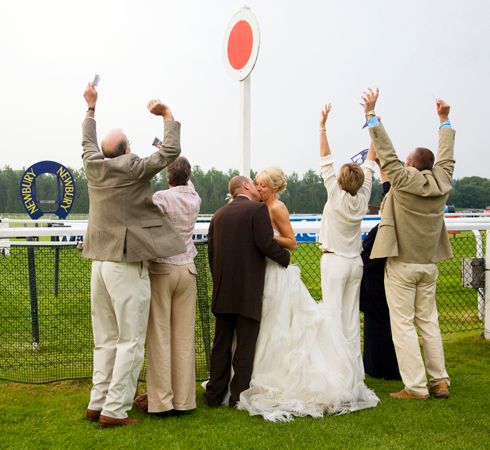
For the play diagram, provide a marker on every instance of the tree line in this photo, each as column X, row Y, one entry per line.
column 304, row 194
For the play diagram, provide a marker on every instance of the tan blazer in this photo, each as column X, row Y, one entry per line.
column 123, row 223
column 412, row 224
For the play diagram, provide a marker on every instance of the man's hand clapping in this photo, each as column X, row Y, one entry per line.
column 159, row 109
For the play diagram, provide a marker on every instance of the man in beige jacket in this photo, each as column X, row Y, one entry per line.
column 413, row 236
column 125, row 229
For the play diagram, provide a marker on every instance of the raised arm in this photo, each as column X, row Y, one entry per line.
column 445, row 153
column 89, row 133
column 390, row 164
column 90, row 96
column 169, row 149
column 326, row 160
column 324, row 146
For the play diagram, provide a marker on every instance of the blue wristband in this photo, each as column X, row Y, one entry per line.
column 445, row 124
column 373, row 122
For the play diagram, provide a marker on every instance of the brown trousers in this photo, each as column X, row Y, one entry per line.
column 171, row 374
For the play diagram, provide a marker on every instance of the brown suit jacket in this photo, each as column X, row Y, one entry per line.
column 240, row 237
column 123, row 223
column 412, row 224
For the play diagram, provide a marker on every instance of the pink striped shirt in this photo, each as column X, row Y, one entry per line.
column 181, row 204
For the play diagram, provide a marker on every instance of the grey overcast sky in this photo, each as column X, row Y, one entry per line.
column 311, row 52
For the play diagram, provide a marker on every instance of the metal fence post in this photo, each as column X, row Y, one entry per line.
column 486, row 331
column 36, row 345
column 56, row 270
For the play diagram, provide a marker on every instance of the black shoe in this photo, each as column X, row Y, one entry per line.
column 163, row 414
column 212, row 401
column 183, row 412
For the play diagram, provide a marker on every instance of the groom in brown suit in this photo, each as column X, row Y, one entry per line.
column 413, row 237
column 125, row 229
column 240, row 237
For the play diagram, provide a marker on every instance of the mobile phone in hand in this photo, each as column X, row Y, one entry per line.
column 96, row 80
column 156, row 142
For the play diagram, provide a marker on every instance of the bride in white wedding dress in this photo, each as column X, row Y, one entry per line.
column 302, row 364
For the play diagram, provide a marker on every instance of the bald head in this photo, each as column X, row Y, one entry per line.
column 421, row 158
column 115, row 144
column 243, row 185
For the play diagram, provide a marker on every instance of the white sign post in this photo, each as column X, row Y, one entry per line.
column 240, row 53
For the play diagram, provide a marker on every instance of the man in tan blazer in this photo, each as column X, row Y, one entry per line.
column 413, row 236
column 125, row 229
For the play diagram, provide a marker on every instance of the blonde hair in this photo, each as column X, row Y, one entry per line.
column 351, row 178
column 273, row 177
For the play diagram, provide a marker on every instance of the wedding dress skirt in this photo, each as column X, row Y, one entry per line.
column 302, row 365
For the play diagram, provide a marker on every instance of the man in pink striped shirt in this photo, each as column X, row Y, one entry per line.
column 171, row 379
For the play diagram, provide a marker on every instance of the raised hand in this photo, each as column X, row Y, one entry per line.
column 369, row 98
column 160, row 109
column 324, row 115
column 90, row 95
column 371, row 154
column 442, row 109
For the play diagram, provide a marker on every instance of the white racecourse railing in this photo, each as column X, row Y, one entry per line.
column 307, row 226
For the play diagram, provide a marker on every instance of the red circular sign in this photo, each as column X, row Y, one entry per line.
column 240, row 44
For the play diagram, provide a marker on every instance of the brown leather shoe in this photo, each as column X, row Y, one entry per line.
column 406, row 395
column 141, row 402
column 440, row 390
column 109, row 422
column 92, row 415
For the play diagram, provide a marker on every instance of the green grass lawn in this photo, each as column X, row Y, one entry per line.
column 51, row 416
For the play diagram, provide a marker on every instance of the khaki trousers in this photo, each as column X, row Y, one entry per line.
column 341, row 287
column 120, row 301
column 411, row 295
column 171, row 373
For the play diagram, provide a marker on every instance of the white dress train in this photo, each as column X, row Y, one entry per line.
column 302, row 364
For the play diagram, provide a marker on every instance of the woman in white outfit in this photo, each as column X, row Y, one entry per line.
column 340, row 239
column 302, row 365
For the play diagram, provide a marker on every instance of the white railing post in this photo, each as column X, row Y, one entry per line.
column 487, row 289
column 4, row 243
column 479, row 254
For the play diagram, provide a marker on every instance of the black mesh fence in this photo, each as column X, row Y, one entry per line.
column 460, row 308
column 45, row 329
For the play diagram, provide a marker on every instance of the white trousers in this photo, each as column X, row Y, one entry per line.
column 411, row 295
column 120, row 301
column 341, row 284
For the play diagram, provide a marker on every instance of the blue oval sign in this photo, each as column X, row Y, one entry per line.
column 66, row 188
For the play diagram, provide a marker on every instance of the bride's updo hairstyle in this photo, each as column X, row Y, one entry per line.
column 273, row 177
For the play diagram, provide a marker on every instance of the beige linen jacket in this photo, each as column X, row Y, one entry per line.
column 123, row 223
column 412, row 225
